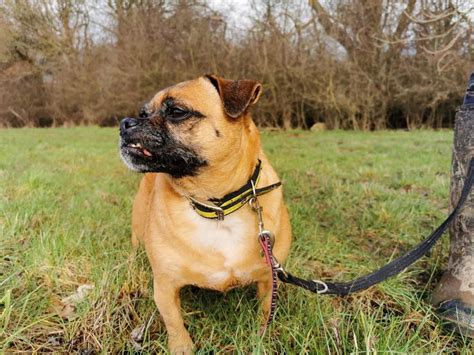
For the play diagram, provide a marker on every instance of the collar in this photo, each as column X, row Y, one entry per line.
column 215, row 208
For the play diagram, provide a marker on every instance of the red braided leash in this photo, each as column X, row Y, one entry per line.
column 266, row 240
column 266, row 245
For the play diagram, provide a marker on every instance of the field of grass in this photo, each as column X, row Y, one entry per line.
column 356, row 201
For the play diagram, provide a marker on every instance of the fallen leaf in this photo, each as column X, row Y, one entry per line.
column 137, row 337
column 79, row 295
column 68, row 311
column 137, row 334
column 66, row 307
column 54, row 340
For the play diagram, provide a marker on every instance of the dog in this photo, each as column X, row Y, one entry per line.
column 196, row 142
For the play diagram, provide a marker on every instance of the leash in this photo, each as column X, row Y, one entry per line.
column 266, row 240
column 249, row 194
column 219, row 208
column 392, row 268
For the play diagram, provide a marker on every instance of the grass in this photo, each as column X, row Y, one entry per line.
column 356, row 201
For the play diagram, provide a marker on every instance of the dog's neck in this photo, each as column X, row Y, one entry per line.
column 215, row 181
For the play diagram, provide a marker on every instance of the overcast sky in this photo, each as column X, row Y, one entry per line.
column 236, row 11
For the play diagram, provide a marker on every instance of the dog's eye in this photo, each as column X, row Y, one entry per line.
column 177, row 114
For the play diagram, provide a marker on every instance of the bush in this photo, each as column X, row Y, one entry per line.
column 350, row 64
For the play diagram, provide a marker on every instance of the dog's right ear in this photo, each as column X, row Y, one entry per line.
column 236, row 95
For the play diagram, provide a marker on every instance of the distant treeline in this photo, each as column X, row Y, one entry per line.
column 351, row 64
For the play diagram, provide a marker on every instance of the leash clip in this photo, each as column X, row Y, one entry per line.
column 279, row 268
column 255, row 205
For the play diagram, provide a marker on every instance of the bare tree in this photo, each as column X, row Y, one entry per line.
column 350, row 64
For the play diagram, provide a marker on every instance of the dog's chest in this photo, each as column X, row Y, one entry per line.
column 230, row 247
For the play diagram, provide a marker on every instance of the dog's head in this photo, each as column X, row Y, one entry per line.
column 187, row 126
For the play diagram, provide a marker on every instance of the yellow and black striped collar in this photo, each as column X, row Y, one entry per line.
column 219, row 208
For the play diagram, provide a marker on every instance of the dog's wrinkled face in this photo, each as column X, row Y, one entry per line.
column 188, row 126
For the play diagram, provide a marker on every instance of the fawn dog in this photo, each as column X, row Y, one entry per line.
column 197, row 144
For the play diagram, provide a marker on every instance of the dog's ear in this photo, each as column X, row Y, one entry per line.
column 237, row 96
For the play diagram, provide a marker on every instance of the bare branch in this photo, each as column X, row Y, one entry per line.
column 446, row 48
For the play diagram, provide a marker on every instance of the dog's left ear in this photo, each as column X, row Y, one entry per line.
column 237, row 96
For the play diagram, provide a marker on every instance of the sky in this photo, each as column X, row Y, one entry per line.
column 236, row 11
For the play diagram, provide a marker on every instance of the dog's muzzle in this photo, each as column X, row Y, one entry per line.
column 149, row 147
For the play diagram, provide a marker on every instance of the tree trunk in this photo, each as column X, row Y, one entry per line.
column 455, row 291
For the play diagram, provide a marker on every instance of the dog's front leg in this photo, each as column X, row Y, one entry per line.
column 168, row 303
column 264, row 294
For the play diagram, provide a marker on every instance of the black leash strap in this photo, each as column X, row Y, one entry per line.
column 392, row 268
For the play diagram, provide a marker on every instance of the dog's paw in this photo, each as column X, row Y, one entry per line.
column 182, row 345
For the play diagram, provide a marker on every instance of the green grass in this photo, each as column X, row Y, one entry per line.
column 356, row 201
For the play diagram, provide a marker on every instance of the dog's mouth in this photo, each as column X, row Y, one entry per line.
column 157, row 152
column 137, row 148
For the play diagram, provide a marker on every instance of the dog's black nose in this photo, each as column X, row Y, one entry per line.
column 127, row 123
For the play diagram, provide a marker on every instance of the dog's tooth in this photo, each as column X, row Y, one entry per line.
column 138, row 145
